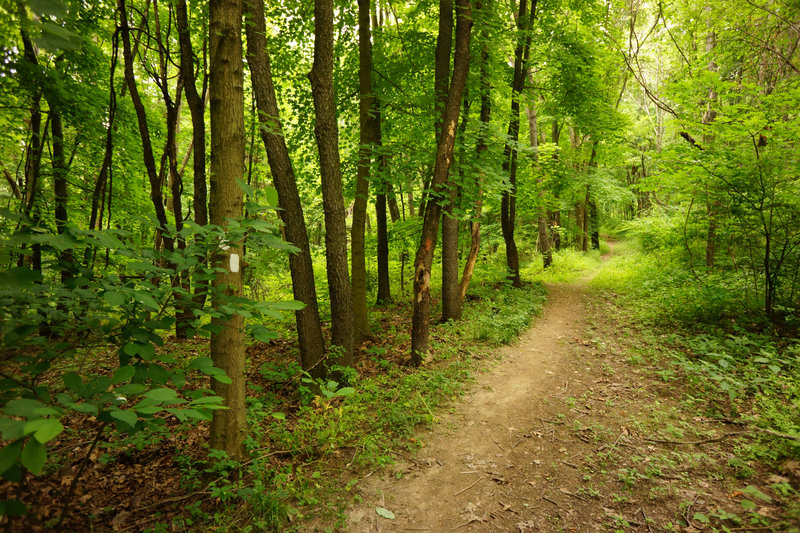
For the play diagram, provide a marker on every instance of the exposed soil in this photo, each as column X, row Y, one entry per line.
column 560, row 435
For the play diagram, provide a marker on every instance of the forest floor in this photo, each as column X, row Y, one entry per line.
column 573, row 430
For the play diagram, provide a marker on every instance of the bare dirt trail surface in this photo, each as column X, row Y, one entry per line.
column 578, row 427
column 483, row 467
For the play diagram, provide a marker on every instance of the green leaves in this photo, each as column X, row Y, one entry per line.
column 34, row 456
column 9, row 455
column 128, row 416
column 44, row 429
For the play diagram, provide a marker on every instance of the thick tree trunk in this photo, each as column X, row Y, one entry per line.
column 309, row 327
column 444, row 157
column 508, row 208
column 228, row 426
column 366, row 140
column 327, row 135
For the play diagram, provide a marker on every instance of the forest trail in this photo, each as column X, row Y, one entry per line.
column 485, row 462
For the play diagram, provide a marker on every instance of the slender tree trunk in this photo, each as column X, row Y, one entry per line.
column 366, row 140
column 196, row 105
column 543, row 244
column 197, row 108
column 585, row 224
column 326, row 132
column 144, row 130
column 384, row 286
column 394, row 209
column 441, row 74
column 60, row 192
column 451, row 294
column 444, row 156
column 480, row 149
column 309, row 327
column 708, row 117
column 441, row 71
column 95, row 217
column 228, row 426
column 508, row 208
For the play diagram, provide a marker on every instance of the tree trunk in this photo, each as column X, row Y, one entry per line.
column 326, row 132
column 394, row 209
column 508, row 207
column 585, row 225
column 144, row 130
column 309, row 326
column 228, row 426
column 441, row 70
column 366, row 140
column 451, row 294
column 480, row 149
column 197, row 108
column 543, row 244
column 444, row 156
column 384, row 287
column 65, row 258
column 197, row 111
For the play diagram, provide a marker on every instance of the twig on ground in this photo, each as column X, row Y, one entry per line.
column 545, row 498
column 467, row 488
column 571, row 464
column 646, row 520
column 496, row 443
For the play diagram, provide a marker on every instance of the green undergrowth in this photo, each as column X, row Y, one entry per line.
column 706, row 332
column 568, row 265
column 308, row 452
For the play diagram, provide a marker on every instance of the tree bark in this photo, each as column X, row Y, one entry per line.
column 444, row 157
column 543, row 242
column 326, row 132
column 366, row 140
column 228, row 426
column 309, row 326
column 197, row 110
column 480, row 149
column 508, row 207
column 451, row 295
column 60, row 192
column 144, row 130
column 585, row 225
column 384, row 286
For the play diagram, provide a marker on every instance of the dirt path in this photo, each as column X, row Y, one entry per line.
column 483, row 464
